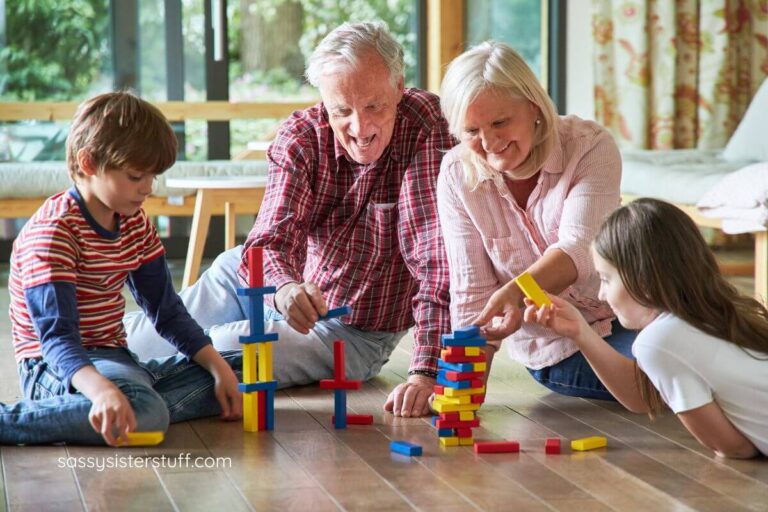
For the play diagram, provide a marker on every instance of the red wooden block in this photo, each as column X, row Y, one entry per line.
column 463, row 375
column 439, row 390
column 552, row 445
column 478, row 399
column 356, row 419
column 255, row 267
column 464, row 359
column 460, row 351
column 335, row 384
column 262, row 400
column 457, row 424
column 450, row 416
column 476, row 383
column 339, row 368
column 463, row 432
column 497, row 447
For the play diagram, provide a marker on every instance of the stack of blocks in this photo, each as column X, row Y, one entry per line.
column 340, row 385
column 459, row 390
column 258, row 386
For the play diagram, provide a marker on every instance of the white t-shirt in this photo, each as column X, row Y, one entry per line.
column 691, row 368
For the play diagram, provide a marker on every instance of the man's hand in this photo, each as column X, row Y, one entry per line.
column 411, row 398
column 301, row 304
column 505, row 303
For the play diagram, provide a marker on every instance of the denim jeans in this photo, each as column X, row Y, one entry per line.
column 298, row 359
column 161, row 391
column 575, row 377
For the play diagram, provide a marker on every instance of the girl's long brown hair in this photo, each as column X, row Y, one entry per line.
column 665, row 264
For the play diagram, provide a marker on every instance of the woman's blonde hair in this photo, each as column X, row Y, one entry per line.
column 665, row 264
column 497, row 67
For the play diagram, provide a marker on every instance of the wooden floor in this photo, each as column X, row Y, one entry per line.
column 306, row 465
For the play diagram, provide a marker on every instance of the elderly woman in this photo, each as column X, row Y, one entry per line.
column 525, row 190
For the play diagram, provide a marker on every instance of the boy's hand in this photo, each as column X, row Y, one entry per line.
column 301, row 304
column 562, row 317
column 225, row 382
column 111, row 415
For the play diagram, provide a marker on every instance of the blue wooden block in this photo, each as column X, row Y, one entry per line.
column 445, row 432
column 252, row 292
column 434, row 420
column 257, row 386
column 269, row 421
column 404, row 448
column 450, row 341
column 455, row 384
column 455, row 367
column 340, row 408
column 336, row 312
column 469, row 331
column 258, row 338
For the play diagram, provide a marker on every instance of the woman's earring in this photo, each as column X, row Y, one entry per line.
column 538, row 121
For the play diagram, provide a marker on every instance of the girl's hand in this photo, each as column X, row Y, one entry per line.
column 562, row 317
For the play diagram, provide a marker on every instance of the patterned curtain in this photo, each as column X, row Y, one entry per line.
column 677, row 74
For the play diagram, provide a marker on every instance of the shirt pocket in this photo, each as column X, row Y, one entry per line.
column 382, row 223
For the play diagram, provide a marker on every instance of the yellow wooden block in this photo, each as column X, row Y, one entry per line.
column 453, row 392
column 531, row 289
column 440, row 407
column 466, row 415
column 249, row 364
column 453, row 400
column 142, row 439
column 468, row 351
column 588, row 443
column 449, row 441
column 250, row 412
column 265, row 362
column 479, row 367
column 466, row 441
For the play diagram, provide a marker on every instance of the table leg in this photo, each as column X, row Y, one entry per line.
column 199, row 232
column 229, row 225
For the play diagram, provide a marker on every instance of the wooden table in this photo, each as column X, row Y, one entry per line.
column 234, row 193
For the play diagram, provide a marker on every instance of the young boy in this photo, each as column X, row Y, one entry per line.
column 69, row 264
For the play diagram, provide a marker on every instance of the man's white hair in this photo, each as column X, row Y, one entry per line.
column 346, row 44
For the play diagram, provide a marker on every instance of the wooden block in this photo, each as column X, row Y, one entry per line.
column 405, row 448
column 464, row 359
column 142, row 439
column 552, row 445
column 449, row 340
column 262, row 398
column 255, row 267
column 457, row 416
column 337, row 312
column 356, row 419
column 265, row 361
column 449, row 441
column 457, row 424
column 461, row 376
column 440, row 407
column 339, row 364
column 453, row 392
column 497, row 447
column 340, row 408
column 479, row 367
column 463, row 432
column 466, row 441
column 454, row 400
column 250, row 412
column 269, row 398
column 532, row 290
column 334, row 384
column 461, row 352
column 589, row 443
column 250, row 365
column 445, row 432
column 469, row 331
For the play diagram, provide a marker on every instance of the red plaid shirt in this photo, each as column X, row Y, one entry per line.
column 367, row 235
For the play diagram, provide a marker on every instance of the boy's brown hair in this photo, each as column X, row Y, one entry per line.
column 121, row 131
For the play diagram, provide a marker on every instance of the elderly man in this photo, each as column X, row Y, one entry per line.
column 349, row 217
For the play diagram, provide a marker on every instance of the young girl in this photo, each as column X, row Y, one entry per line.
column 702, row 348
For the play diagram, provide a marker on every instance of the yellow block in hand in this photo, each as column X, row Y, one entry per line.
column 532, row 290
column 588, row 443
column 142, row 439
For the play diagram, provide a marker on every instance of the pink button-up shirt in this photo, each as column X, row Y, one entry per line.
column 489, row 239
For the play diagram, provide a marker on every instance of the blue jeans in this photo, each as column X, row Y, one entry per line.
column 575, row 377
column 161, row 391
column 298, row 359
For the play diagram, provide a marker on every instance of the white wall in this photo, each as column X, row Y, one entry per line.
column 580, row 79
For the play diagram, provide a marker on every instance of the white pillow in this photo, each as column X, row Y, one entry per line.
column 750, row 140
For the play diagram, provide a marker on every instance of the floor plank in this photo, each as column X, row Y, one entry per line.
column 37, row 478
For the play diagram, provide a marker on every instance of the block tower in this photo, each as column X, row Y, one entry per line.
column 459, row 390
column 340, row 385
column 258, row 386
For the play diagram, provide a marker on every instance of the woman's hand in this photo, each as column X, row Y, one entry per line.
column 504, row 303
column 562, row 317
